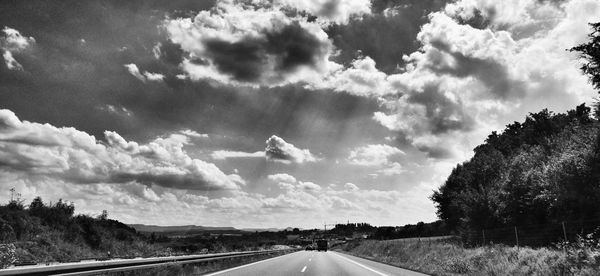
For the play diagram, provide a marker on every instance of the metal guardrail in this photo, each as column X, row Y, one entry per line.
column 97, row 267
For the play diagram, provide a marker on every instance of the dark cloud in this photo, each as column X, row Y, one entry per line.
column 490, row 72
column 478, row 20
column 378, row 6
column 442, row 114
column 292, row 46
column 437, row 152
column 170, row 53
column 385, row 37
column 177, row 181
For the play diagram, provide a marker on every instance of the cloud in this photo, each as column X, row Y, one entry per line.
column 392, row 169
column 241, row 44
column 327, row 11
column 309, row 186
column 362, row 78
column 192, row 133
column 11, row 41
column 75, row 156
column 145, row 76
column 282, row 177
column 288, row 182
column 373, row 155
column 11, row 62
column 117, row 110
column 279, row 150
column 469, row 79
column 154, row 76
column 225, row 154
column 351, row 187
column 244, row 44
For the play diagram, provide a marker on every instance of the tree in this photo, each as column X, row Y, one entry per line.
column 104, row 215
column 543, row 170
column 37, row 207
column 590, row 51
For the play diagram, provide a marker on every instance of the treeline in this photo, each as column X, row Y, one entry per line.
column 544, row 170
column 421, row 229
column 43, row 232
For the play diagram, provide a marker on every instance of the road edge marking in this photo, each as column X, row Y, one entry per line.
column 361, row 265
column 303, row 269
column 246, row 265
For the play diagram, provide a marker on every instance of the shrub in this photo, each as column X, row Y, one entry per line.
column 8, row 255
column 584, row 253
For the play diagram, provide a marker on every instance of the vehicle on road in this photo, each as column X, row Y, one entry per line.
column 322, row 245
column 309, row 248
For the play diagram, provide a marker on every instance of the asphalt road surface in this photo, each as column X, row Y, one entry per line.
column 309, row 263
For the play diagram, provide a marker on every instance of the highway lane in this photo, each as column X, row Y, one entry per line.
column 312, row 263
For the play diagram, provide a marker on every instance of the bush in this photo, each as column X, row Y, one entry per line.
column 6, row 232
column 584, row 253
column 44, row 232
column 8, row 255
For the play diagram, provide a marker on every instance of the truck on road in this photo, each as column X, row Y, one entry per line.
column 322, row 245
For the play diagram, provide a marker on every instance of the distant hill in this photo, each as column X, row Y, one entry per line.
column 261, row 229
column 180, row 228
column 194, row 229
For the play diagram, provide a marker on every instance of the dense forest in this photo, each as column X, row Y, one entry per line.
column 543, row 170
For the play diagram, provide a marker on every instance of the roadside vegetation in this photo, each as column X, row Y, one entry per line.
column 450, row 257
column 42, row 233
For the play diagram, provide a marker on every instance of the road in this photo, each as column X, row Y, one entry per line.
column 309, row 263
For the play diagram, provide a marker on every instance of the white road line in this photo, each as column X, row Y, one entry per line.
column 361, row 265
column 246, row 265
column 303, row 269
column 309, row 259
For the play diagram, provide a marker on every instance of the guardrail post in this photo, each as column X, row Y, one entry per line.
column 517, row 236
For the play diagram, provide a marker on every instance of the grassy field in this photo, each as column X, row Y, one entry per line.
column 450, row 258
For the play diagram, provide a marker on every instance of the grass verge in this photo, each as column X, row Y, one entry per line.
column 450, row 258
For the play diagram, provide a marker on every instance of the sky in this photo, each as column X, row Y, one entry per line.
column 271, row 113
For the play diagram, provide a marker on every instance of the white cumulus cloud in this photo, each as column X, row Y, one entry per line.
column 279, row 150
column 11, row 41
column 70, row 155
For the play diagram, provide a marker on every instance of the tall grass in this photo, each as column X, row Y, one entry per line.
column 451, row 258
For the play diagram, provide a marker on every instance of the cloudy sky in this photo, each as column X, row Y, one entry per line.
column 270, row 113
